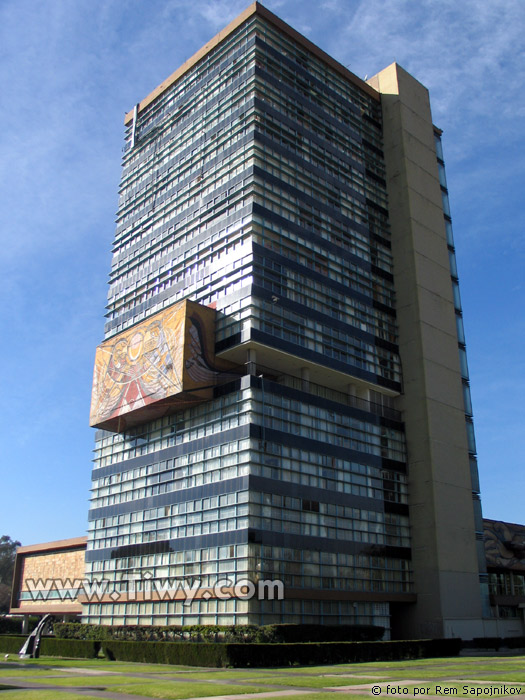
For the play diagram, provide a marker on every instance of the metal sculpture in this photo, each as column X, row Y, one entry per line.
column 31, row 648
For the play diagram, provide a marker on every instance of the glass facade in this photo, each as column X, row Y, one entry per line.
column 255, row 184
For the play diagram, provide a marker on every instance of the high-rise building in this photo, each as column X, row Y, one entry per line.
column 282, row 392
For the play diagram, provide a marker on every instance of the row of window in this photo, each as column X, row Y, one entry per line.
column 348, row 103
column 237, row 612
column 301, row 289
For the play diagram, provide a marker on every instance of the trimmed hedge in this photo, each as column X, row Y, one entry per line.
column 9, row 625
column 49, row 646
column 11, row 643
column 185, row 653
column 74, row 648
column 13, row 625
column 494, row 643
column 339, row 652
column 218, row 655
column 266, row 634
column 268, row 655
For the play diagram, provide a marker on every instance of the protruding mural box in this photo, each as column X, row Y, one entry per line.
column 156, row 367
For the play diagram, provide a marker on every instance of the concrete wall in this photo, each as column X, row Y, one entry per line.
column 440, row 493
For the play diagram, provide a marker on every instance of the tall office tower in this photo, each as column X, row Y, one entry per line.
column 279, row 393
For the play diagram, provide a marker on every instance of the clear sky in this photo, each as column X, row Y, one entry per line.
column 70, row 69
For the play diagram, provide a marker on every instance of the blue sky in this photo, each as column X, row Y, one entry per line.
column 69, row 70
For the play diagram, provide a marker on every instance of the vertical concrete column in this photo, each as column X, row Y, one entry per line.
column 440, row 496
column 363, row 393
column 305, row 378
column 251, row 361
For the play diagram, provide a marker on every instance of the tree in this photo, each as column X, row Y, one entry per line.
column 7, row 565
column 5, row 598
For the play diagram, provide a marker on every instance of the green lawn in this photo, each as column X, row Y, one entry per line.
column 80, row 680
column 45, row 695
column 175, row 690
column 424, row 676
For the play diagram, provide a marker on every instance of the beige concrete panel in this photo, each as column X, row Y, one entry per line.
column 394, row 80
column 391, row 106
column 374, row 82
column 421, row 517
column 447, row 424
column 414, row 238
column 433, row 276
column 419, row 153
column 420, row 220
column 441, row 347
column 441, row 352
column 445, row 453
column 423, row 182
column 454, row 514
column 437, row 310
column 432, row 244
column 413, row 92
column 425, row 212
column 443, row 387
column 461, row 594
column 450, row 474
column 455, row 553
column 452, row 550
column 440, row 498
column 386, row 81
column 415, row 127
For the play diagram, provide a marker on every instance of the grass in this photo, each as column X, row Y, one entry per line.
column 321, row 696
column 14, row 672
column 99, row 681
column 180, row 682
column 114, row 666
column 306, row 681
column 166, row 689
column 46, row 695
column 462, row 690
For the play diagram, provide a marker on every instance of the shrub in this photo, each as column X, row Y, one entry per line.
column 269, row 634
column 11, row 644
column 49, row 646
column 75, row 630
column 185, row 653
column 267, row 655
column 239, row 654
column 338, row 652
column 494, row 643
column 13, row 625
column 10, row 625
column 513, row 642
column 73, row 648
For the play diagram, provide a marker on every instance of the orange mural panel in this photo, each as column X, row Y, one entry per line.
column 158, row 366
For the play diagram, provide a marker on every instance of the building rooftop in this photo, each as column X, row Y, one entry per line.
column 254, row 9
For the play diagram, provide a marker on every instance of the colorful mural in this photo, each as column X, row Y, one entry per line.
column 504, row 544
column 146, row 371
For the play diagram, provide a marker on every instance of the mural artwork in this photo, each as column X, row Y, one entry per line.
column 149, row 369
column 504, row 544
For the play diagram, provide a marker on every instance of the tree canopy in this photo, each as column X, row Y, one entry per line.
column 7, row 559
column 7, row 565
